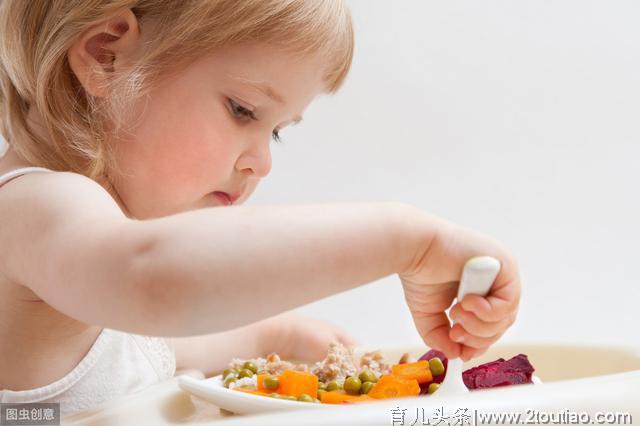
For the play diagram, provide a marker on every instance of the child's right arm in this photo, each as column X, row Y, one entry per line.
column 218, row 268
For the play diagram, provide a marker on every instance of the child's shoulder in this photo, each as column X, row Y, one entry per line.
column 35, row 202
column 30, row 187
column 44, row 207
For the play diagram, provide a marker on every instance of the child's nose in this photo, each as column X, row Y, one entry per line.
column 256, row 160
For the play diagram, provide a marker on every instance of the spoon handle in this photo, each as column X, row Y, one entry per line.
column 478, row 275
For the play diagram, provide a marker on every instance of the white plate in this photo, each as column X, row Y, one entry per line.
column 238, row 402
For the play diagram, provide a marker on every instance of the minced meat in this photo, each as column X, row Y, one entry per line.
column 338, row 364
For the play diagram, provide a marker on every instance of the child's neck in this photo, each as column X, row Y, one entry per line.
column 10, row 161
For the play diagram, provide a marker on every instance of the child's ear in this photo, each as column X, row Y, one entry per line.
column 102, row 49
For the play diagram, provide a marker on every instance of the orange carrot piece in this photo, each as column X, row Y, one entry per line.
column 391, row 386
column 261, row 387
column 359, row 399
column 415, row 370
column 295, row 383
column 336, row 397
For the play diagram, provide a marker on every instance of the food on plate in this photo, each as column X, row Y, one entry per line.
column 514, row 371
column 340, row 363
column 432, row 356
column 392, row 386
column 292, row 383
column 419, row 371
column 343, row 378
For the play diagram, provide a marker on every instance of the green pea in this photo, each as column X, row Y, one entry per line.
column 305, row 398
column 245, row 372
column 271, row 382
column 231, row 372
column 366, row 387
column 322, row 385
column 333, row 385
column 436, row 366
column 367, row 376
column 432, row 388
column 228, row 381
column 289, row 397
column 352, row 385
column 250, row 366
column 274, row 395
column 316, row 400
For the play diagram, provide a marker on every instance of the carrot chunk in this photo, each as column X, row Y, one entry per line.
column 260, row 384
column 336, row 397
column 359, row 399
column 392, row 386
column 419, row 371
column 295, row 383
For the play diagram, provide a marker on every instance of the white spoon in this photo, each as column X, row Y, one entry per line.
column 478, row 275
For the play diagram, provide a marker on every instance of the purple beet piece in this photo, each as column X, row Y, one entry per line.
column 433, row 353
column 517, row 370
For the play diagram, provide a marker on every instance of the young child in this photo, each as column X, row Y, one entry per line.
column 136, row 130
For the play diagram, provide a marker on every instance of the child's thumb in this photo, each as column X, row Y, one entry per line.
column 434, row 330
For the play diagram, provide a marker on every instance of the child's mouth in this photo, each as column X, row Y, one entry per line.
column 223, row 197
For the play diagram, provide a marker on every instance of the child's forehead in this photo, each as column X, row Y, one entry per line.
column 261, row 54
column 262, row 67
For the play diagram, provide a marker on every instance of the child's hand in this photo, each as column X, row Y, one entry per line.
column 432, row 283
column 296, row 337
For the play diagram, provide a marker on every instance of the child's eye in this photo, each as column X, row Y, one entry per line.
column 239, row 111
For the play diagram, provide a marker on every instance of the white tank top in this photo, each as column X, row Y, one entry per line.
column 117, row 364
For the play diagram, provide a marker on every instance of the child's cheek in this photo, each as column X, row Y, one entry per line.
column 203, row 164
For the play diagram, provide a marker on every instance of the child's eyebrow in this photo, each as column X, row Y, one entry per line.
column 262, row 87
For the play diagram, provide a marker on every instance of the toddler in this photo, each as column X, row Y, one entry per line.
column 136, row 129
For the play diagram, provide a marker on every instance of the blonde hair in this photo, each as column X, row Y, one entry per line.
column 36, row 35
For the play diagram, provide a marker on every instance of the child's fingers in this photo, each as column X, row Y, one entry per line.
column 473, row 325
column 499, row 304
column 434, row 330
column 468, row 353
column 460, row 335
column 329, row 333
column 345, row 338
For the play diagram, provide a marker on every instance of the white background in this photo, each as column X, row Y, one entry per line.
column 518, row 118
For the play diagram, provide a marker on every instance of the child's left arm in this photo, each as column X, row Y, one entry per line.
column 292, row 337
